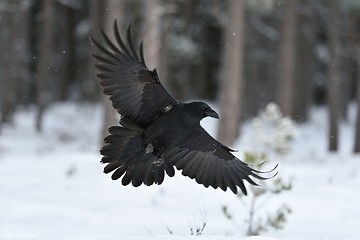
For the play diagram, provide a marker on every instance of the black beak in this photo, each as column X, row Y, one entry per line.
column 212, row 113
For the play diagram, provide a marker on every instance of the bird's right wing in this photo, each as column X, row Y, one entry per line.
column 201, row 157
column 135, row 92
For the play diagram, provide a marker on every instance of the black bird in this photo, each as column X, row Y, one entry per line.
column 157, row 132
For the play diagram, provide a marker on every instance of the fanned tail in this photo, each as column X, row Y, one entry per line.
column 127, row 155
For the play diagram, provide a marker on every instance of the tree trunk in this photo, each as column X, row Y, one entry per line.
column 349, row 64
column 151, row 33
column 115, row 11
column 15, row 72
column 357, row 126
column 96, row 19
column 24, row 52
column 164, row 32
column 45, row 62
column 305, row 62
column 231, row 92
column 7, row 81
column 67, row 52
column 287, row 59
column 187, row 10
column 333, row 86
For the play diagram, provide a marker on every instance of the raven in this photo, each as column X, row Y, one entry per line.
column 156, row 132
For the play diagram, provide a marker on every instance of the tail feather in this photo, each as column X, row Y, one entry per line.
column 169, row 169
column 128, row 176
column 139, row 175
column 119, row 172
column 116, row 143
column 112, row 166
column 150, row 176
column 125, row 154
column 159, row 175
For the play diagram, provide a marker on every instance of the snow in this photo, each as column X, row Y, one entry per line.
column 52, row 186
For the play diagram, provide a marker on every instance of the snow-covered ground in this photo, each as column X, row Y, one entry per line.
column 52, row 187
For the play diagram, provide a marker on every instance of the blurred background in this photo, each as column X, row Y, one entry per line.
column 240, row 55
column 283, row 75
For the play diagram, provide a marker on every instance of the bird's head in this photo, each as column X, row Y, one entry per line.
column 201, row 110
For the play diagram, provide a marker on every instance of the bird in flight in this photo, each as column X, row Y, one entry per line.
column 156, row 131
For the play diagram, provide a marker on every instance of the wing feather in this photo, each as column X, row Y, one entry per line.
column 135, row 92
column 201, row 157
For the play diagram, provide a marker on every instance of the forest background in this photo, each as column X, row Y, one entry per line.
column 240, row 55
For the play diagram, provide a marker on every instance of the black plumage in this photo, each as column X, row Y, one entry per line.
column 157, row 132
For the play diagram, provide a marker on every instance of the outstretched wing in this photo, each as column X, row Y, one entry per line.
column 208, row 161
column 135, row 92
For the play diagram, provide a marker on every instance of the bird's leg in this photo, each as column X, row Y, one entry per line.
column 149, row 149
column 158, row 162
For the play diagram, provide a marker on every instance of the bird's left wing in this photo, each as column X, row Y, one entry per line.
column 201, row 157
column 135, row 92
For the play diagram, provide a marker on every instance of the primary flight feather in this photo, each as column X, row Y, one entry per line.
column 156, row 132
